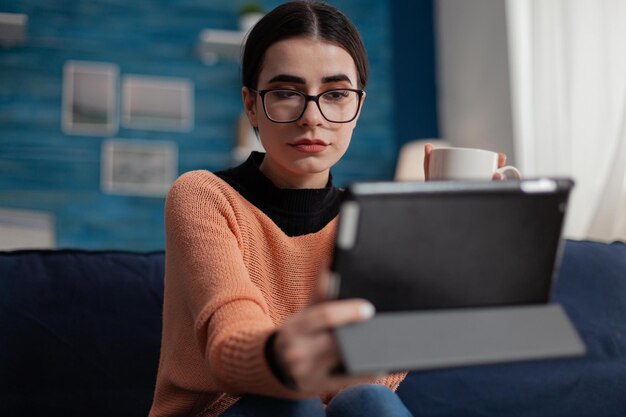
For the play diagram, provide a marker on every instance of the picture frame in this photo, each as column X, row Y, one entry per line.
column 26, row 229
column 157, row 103
column 90, row 99
column 138, row 167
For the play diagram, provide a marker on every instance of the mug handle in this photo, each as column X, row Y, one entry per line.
column 509, row 172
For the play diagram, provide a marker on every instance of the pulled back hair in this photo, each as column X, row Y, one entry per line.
column 308, row 19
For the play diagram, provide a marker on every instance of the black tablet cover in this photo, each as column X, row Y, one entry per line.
column 441, row 245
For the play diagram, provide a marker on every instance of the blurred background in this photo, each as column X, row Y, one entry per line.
column 104, row 103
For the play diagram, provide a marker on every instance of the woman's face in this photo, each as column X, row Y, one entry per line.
column 299, row 154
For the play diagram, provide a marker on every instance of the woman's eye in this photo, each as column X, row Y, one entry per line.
column 336, row 95
column 284, row 94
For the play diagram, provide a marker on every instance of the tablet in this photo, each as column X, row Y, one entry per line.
column 446, row 245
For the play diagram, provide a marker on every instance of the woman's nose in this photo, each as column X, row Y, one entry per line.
column 312, row 115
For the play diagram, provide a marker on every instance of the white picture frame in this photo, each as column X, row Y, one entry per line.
column 138, row 167
column 90, row 99
column 26, row 229
column 157, row 103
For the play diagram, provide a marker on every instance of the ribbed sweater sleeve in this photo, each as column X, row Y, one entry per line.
column 231, row 315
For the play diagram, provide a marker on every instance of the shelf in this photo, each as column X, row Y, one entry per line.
column 215, row 44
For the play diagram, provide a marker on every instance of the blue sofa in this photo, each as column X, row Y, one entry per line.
column 80, row 334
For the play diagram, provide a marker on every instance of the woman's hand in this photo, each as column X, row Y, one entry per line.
column 427, row 149
column 305, row 346
column 501, row 162
column 496, row 176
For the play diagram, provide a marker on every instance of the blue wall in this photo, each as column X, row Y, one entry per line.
column 41, row 168
column 414, row 63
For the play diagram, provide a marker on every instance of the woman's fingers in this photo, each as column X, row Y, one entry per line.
column 305, row 347
column 310, row 360
column 497, row 176
column 427, row 149
column 320, row 343
column 501, row 160
column 318, row 376
column 310, row 375
column 333, row 314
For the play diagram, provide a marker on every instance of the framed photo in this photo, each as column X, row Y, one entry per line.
column 26, row 229
column 157, row 103
column 138, row 167
column 90, row 98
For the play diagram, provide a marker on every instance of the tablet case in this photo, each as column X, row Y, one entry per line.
column 448, row 338
column 433, row 245
column 460, row 273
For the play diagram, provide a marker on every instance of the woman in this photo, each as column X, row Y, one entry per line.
column 247, row 247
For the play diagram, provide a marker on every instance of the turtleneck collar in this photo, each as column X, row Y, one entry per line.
column 295, row 211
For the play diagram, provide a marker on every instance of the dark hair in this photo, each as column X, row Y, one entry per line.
column 302, row 19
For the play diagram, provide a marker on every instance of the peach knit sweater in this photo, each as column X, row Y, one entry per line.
column 231, row 277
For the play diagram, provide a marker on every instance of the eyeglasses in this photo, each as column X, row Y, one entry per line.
column 340, row 105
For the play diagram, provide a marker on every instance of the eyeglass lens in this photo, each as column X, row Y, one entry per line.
column 288, row 105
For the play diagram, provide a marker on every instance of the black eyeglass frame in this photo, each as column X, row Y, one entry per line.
column 307, row 98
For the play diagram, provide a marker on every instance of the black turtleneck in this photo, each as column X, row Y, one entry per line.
column 296, row 211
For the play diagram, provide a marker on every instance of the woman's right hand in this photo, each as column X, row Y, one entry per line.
column 305, row 346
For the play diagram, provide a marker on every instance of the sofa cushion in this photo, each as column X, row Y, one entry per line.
column 80, row 332
column 592, row 288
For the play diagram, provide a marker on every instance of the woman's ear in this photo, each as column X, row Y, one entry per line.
column 249, row 104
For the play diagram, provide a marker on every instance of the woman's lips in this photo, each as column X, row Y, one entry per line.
column 310, row 145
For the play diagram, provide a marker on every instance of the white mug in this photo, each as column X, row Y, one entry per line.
column 466, row 164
